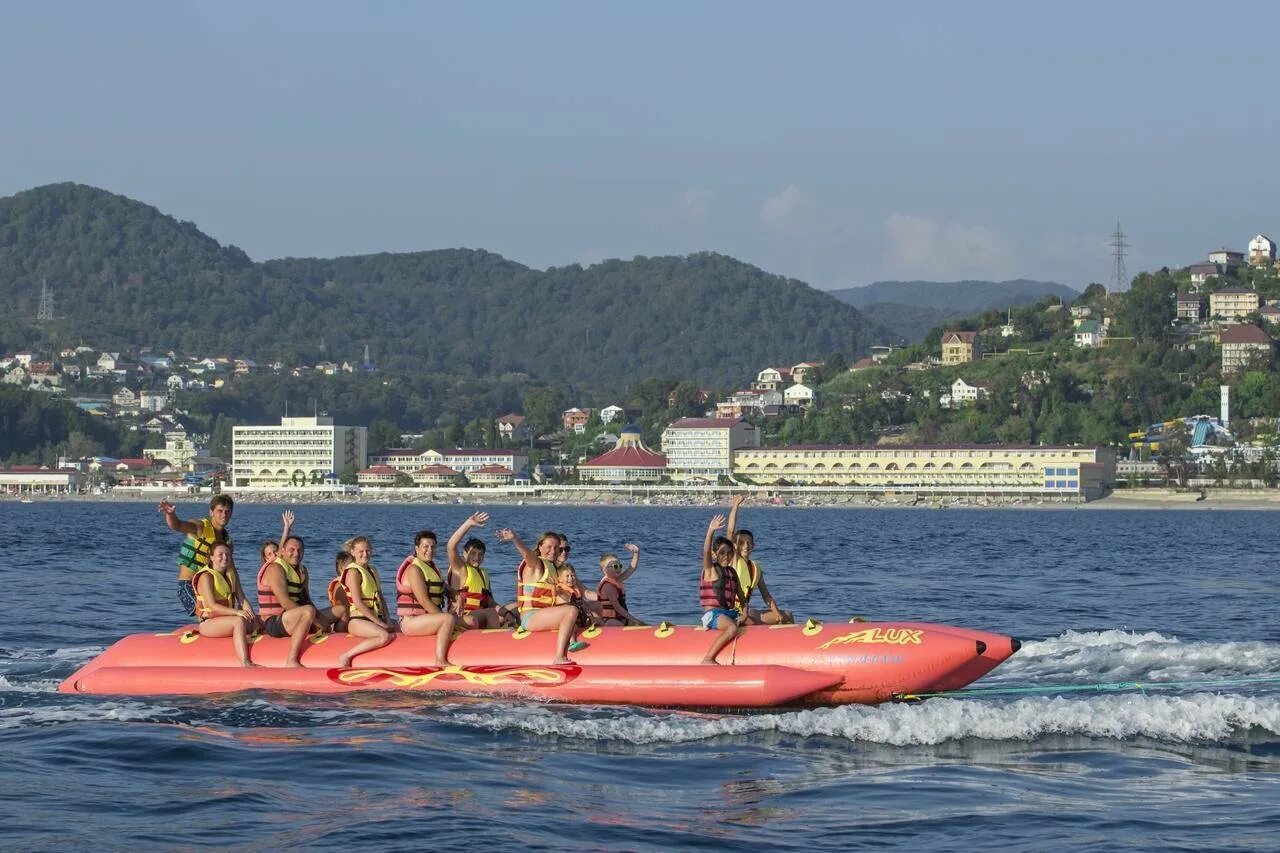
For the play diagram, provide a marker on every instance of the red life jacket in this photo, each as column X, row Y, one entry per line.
column 607, row 610
column 721, row 592
column 406, row 602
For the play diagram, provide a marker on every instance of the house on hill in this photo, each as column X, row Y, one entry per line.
column 1243, row 345
column 1262, row 251
column 959, row 347
column 1226, row 257
column 1189, row 306
column 772, row 379
column 1201, row 273
column 1090, row 333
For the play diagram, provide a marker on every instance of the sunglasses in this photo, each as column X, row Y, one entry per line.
column 613, row 565
column 564, row 548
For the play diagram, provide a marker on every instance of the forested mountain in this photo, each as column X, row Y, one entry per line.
column 124, row 274
column 908, row 309
column 957, row 298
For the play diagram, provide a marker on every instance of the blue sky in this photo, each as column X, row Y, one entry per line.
column 837, row 143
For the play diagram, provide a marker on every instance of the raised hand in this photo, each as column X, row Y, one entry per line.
column 166, row 508
column 506, row 534
column 737, row 500
column 717, row 521
column 478, row 519
column 287, row 517
column 632, row 548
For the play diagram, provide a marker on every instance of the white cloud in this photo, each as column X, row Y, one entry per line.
column 922, row 247
column 696, row 204
column 783, row 211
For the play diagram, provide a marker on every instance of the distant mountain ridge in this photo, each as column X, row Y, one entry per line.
column 125, row 274
column 909, row 309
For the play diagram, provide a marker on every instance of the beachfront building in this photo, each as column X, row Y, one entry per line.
column 1233, row 303
column 34, row 480
column 377, row 476
column 628, row 462
column 300, row 451
column 1244, row 345
column 701, row 449
column 492, row 475
column 1078, row 472
column 461, row 460
column 959, row 347
column 435, row 475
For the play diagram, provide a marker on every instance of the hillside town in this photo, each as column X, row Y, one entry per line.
column 728, row 441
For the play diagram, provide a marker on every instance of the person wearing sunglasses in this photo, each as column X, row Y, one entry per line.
column 611, row 592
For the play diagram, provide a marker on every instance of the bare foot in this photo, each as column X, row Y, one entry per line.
column 560, row 661
column 711, row 661
column 293, row 664
column 247, row 664
column 442, row 662
column 344, row 663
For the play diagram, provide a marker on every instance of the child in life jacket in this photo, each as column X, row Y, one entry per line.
column 339, row 610
column 751, row 576
column 569, row 589
column 718, row 590
column 611, row 593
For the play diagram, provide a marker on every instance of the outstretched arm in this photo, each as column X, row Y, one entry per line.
column 732, row 527
column 286, row 519
column 506, row 534
column 635, row 561
column 176, row 524
column 766, row 596
column 477, row 519
column 717, row 522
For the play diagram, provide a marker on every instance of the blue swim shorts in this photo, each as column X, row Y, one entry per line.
column 710, row 618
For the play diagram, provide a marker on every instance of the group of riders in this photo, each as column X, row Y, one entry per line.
column 435, row 602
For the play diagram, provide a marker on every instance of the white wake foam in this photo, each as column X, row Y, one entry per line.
column 38, row 685
column 1179, row 719
column 1115, row 655
column 33, row 716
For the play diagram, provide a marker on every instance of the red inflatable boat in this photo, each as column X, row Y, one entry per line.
column 766, row 666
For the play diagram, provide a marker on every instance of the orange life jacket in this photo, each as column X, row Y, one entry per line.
column 536, row 594
column 607, row 610
column 406, row 602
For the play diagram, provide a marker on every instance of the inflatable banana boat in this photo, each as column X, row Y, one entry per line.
column 765, row 666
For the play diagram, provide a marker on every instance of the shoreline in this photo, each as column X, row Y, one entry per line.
column 1138, row 499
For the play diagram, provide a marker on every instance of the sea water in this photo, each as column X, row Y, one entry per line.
column 1154, row 597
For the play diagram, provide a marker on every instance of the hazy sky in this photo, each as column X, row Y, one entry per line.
column 837, row 143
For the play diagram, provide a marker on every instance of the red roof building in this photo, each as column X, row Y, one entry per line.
column 629, row 462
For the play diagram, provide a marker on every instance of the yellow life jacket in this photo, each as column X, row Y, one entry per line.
column 194, row 553
column 370, row 591
column 748, row 572
column 223, row 592
column 295, row 582
column 539, row 593
column 475, row 588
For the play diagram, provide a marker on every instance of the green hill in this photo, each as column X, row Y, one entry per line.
column 125, row 274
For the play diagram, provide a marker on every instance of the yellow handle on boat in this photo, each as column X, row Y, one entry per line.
column 812, row 627
column 664, row 630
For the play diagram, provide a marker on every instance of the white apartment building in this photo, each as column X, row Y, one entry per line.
column 300, row 451
column 702, row 448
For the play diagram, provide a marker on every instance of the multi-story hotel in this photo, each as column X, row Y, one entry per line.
column 300, row 451
column 1067, row 471
column 702, row 448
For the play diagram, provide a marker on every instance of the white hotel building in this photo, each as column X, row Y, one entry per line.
column 466, row 460
column 701, row 449
column 300, row 451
